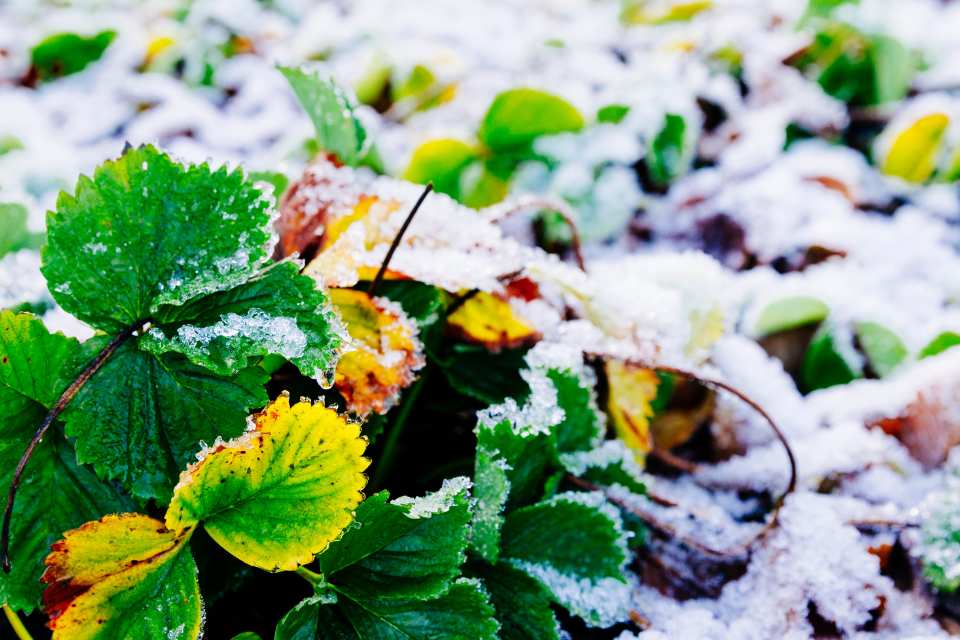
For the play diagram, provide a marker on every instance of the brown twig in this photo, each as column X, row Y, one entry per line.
column 547, row 204
column 720, row 384
column 55, row 411
column 396, row 241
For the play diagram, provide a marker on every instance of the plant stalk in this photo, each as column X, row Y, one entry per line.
column 396, row 241
column 17, row 624
column 65, row 398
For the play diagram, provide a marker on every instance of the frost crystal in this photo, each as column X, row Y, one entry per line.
column 279, row 335
column 439, row 501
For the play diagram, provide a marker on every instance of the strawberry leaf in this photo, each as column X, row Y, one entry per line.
column 140, row 418
column 56, row 493
column 280, row 493
column 145, row 234
column 123, row 576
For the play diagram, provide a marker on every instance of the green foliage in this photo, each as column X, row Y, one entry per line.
column 532, row 551
column 331, row 110
column 141, row 418
column 56, row 494
column 146, row 234
column 519, row 116
column 14, row 234
column 612, row 113
column 146, row 240
column 478, row 175
column 65, row 53
column 441, row 161
column 394, row 574
column 668, row 153
column 883, row 348
column 858, row 68
column 790, row 313
column 939, row 344
column 823, row 365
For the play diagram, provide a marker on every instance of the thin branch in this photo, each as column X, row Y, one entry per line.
column 397, row 239
column 725, row 386
column 18, row 629
column 57, row 409
column 561, row 208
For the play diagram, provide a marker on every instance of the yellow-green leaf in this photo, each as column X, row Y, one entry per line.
column 914, row 152
column 123, row 576
column 386, row 351
column 280, row 493
column 492, row 322
column 630, row 390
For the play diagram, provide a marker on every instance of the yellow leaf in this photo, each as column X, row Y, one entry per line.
column 280, row 493
column 630, row 392
column 654, row 12
column 914, row 152
column 387, row 352
column 491, row 321
column 123, row 576
column 706, row 327
column 371, row 211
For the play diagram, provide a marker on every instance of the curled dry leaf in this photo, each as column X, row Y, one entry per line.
column 386, row 352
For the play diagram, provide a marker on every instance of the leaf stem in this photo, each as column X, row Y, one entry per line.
column 500, row 212
column 17, row 624
column 396, row 240
column 312, row 577
column 55, row 411
column 390, row 448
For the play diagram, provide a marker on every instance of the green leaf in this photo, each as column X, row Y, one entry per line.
column 612, row 113
column 393, row 575
column 574, row 544
column 570, row 533
column 883, row 348
column 790, row 313
column 519, row 116
column 581, row 428
column 279, row 181
column 462, row 613
column 14, row 234
column 441, row 162
column 280, row 493
column 610, row 464
column 405, row 549
column 277, row 312
column 146, row 234
column 823, row 366
column 331, row 109
column 32, row 359
column 65, row 53
column 521, row 602
column 123, row 576
column 667, row 154
column 492, row 489
column 481, row 186
column 941, row 343
column 140, row 418
column 55, row 493
column 475, row 372
column 893, row 68
column 528, row 458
